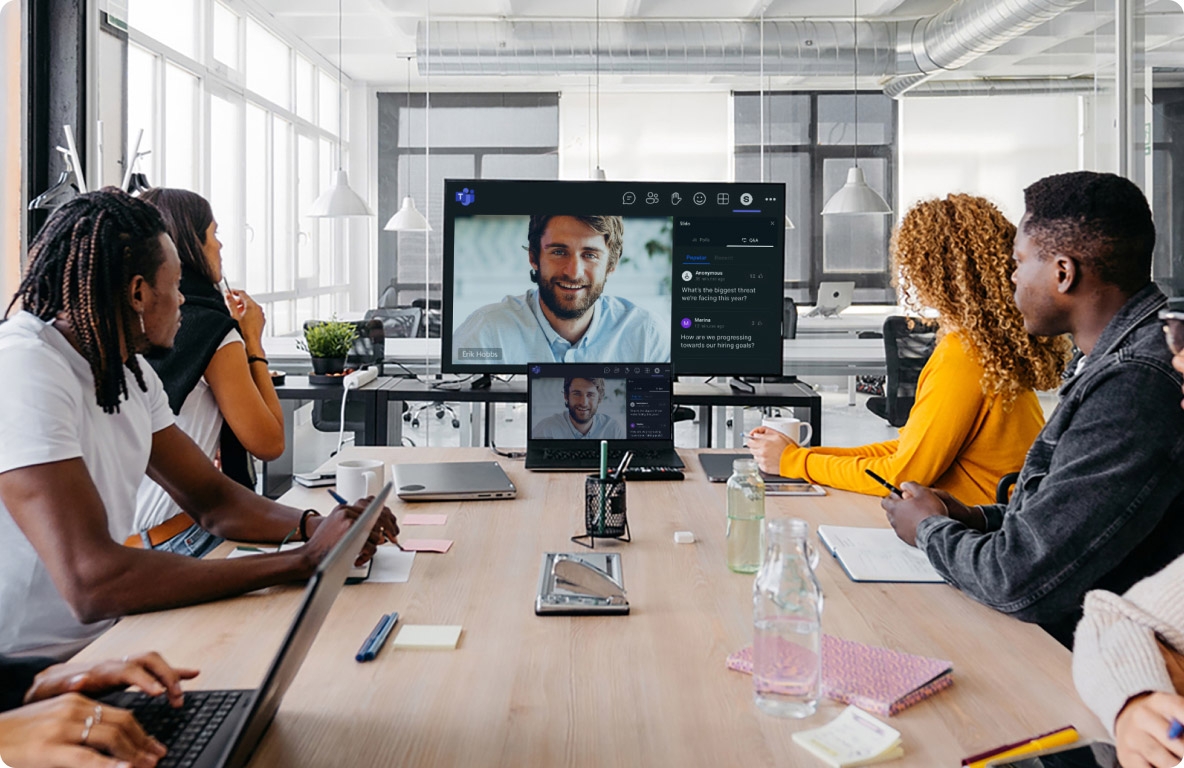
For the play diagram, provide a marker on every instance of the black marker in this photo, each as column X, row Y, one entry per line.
column 883, row 482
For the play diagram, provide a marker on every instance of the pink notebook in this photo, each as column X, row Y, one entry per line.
column 875, row 679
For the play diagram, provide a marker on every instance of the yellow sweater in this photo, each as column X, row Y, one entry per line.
column 955, row 439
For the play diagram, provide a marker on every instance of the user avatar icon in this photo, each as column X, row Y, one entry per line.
column 687, row 275
column 686, row 322
column 745, row 199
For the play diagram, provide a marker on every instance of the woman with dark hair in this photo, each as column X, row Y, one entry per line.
column 976, row 413
column 215, row 375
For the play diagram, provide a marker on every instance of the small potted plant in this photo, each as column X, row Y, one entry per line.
column 329, row 343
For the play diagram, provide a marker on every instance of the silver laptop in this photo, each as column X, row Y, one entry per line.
column 452, row 481
column 220, row 729
column 833, row 298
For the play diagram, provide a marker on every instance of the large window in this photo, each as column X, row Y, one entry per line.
column 473, row 136
column 809, row 144
column 233, row 111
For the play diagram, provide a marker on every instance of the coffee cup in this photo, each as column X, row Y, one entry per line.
column 795, row 429
column 359, row 478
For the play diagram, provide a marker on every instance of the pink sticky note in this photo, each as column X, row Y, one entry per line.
column 426, row 545
column 423, row 519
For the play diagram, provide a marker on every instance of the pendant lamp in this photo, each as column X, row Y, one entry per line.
column 855, row 196
column 408, row 219
column 339, row 200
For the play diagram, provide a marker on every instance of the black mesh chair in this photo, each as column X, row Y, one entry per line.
column 398, row 322
column 906, row 350
column 368, row 350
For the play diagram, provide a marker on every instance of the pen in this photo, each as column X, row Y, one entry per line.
column 361, row 654
column 377, row 643
column 1176, row 729
column 628, row 457
column 883, row 482
column 1059, row 737
column 603, row 478
column 338, row 498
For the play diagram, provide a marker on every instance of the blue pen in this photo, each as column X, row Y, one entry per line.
column 1176, row 729
column 377, row 643
column 361, row 654
column 337, row 496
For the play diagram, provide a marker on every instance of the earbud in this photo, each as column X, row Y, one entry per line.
column 534, row 275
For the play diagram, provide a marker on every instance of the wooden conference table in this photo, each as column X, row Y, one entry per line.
column 648, row 689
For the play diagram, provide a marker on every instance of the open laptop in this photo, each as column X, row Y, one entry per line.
column 452, row 481
column 571, row 407
column 833, row 298
column 220, row 729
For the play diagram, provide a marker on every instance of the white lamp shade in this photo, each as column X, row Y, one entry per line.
column 855, row 197
column 408, row 219
column 789, row 222
column 339, row 200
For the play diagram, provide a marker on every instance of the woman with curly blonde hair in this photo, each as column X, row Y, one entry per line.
column 976, row 411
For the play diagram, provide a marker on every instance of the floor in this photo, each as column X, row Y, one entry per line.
column 842, row 425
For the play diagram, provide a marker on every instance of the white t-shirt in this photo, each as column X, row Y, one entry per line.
column 50, row 414
column 200, row 419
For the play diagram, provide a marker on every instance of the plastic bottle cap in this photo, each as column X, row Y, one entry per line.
column 684, row 537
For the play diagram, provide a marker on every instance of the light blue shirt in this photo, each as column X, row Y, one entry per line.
column 517, row 330
column 559, row 427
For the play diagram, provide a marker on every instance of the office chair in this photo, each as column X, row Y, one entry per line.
column 430, row 311
column 368, row 350
column 398, row 322
column 906, row 350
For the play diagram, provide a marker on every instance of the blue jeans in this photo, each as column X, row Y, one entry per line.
column 194, row 541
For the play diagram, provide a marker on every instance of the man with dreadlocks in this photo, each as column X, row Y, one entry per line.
column 76, row 438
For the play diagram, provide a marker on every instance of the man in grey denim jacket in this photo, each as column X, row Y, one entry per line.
column 1100, row 501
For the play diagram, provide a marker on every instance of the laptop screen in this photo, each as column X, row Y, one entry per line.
column 594, row 401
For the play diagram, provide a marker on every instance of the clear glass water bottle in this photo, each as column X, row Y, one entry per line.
column 787, row 623
column 746, row 515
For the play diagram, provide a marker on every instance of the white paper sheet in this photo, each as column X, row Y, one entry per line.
column 391, row 566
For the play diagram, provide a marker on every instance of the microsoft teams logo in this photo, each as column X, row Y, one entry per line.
column 466, row 197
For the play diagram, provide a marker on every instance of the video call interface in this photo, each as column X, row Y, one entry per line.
column 612, row 402
column 606, row 272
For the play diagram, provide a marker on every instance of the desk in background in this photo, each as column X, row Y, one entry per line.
column 646, row 689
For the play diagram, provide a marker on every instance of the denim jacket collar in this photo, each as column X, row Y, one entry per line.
column 1144, row 304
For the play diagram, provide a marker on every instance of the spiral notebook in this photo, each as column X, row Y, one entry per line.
column 876, row 679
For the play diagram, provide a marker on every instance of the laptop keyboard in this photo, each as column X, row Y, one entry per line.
column 592, row 458
column 185, row 731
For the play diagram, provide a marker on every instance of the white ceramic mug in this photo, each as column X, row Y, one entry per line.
column 790, row 427
column 359, row 478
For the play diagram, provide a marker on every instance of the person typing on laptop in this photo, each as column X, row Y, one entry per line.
column 581, row 399
column 48, row 720
column 83, row 420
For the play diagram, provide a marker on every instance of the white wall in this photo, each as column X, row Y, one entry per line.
column 992, row 146
column 647, row 136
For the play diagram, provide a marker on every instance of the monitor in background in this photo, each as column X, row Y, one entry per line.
column 613, row 272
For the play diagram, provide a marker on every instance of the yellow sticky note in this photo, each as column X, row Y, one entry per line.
column 428, row 636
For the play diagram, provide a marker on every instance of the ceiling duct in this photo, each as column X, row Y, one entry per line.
column 907, row 51
column 657, row 47
column 990, row 87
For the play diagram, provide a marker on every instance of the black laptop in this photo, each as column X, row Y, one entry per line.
column 220, row 729
column 571, row 407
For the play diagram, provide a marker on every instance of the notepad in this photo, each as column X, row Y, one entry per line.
column 359, row 573
column 428, row 636
column 426, row 545
column 851, row 739
column 877, row 679
column 391, row 565
column 877, row 554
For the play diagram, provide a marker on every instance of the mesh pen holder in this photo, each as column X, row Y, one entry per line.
column 609, row 521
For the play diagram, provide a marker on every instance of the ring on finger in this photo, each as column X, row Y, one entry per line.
column 87, row 724
column 98, row 713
